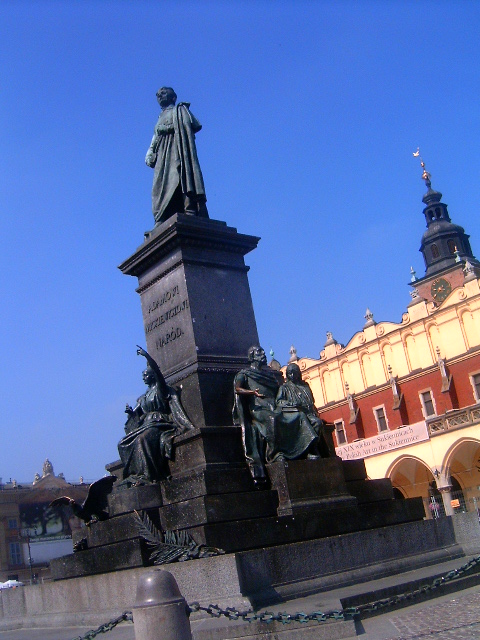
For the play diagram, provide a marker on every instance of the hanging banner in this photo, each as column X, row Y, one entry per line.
column 384, row 442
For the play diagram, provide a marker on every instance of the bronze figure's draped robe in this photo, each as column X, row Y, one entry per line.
column 256, row 416
column 145, row 449
column 299, row 428
column 278, row 422
column 177, row 173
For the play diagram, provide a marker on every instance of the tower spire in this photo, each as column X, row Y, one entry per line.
column 443, row 243
column 425, row 175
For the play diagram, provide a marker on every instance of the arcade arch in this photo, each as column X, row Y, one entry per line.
column 452, row 487
column 411, row 476
column 462, row 467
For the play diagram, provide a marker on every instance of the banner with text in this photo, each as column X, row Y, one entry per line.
column 384, row 442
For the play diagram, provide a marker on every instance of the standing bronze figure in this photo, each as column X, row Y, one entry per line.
column 254, row 410
column 177, row 182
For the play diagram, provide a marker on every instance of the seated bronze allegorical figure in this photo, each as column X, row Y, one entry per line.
column 279, row 421
column 300, row 431
column 150, row 429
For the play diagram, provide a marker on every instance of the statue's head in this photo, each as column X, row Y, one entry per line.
column 257, row 354
column 148, row 376
column 294, row 373
column 166, row 96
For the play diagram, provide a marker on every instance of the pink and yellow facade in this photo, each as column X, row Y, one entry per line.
column 406, row 397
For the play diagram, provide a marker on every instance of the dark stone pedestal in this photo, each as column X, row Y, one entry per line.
column 303, row 484
column 211, row 495
column 197, row 310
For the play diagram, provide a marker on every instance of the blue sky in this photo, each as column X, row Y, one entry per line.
column 310, row 113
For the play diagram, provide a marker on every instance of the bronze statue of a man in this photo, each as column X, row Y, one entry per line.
column 177, row 182
column 254, row 410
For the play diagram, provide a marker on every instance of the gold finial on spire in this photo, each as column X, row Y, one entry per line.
column 425, row 175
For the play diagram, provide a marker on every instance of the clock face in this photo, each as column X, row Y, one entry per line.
column 441, row 288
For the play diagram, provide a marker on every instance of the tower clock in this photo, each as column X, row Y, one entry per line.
column 440, row 289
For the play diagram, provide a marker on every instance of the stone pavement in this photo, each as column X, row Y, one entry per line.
column 445, row 618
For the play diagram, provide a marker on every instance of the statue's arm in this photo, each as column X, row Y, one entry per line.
column 161, row 129
column 162, row 385
column 196, row 126
column 286, row 399
column 181, row 419
column 151, row 156
column 242, row 391
column 281, row 400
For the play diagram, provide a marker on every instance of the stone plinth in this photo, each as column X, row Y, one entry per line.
column 306, row 484
column 197, row 310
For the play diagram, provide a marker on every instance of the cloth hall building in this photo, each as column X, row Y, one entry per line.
column 406, row 397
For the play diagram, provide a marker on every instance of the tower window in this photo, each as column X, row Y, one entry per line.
column 451, row 246
column 435, row 251
column 381, row 418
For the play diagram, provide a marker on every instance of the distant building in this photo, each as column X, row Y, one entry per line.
column 406, row 397
column 31, row 533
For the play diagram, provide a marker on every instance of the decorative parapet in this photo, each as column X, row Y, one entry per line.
column 456, row 419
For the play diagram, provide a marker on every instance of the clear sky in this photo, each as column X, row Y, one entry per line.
column 310, row 113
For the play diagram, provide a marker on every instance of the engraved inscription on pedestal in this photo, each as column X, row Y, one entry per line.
column 197, row 310
column 168, row 322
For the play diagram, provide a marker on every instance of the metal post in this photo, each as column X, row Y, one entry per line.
column 160, row 611
column 30, row 562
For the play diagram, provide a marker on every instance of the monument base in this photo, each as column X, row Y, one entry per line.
column 211, row 495
column 258, row 577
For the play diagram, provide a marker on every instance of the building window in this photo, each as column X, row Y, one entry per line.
column 15, row 553
column 12, row 523
column 381, row 418
column 475, row 380
column 428, row 406
column 340, row 432
column 435, row 251
column 451, row 246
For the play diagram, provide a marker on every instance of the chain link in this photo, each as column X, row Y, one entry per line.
column 350, row 613
column 107, row 626
column 269, row 616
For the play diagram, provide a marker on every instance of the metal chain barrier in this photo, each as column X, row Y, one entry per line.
column 267, row 616
column 107, row 626
column 349, row 613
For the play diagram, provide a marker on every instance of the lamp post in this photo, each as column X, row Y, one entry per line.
column 27, row 536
